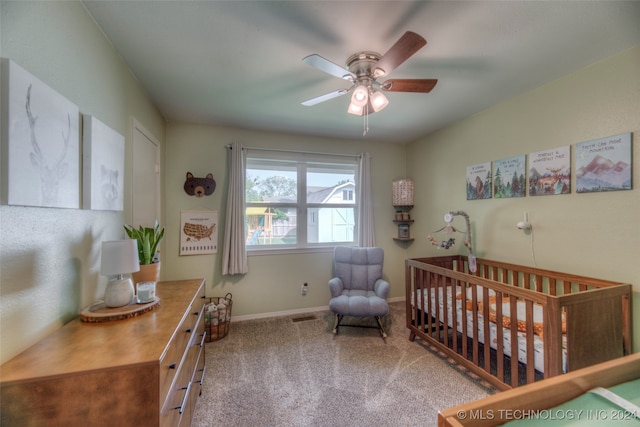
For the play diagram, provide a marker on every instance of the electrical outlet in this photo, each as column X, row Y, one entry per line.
column 304, row 289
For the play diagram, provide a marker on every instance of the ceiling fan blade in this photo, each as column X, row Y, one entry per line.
column 409, row 85
column 325, row 97
column 402, row 50
column 328, row 67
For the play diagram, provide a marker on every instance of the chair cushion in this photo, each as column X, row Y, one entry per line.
column 358, row 268
column 354, row 302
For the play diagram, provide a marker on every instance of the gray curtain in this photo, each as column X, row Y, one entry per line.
column 234, row 252
column 366, row 235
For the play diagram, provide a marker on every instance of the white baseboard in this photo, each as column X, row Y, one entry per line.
column 292, row 312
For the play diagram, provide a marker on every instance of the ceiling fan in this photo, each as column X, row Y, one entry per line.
column 364, row 69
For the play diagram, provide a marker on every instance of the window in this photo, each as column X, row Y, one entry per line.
column 299, row 200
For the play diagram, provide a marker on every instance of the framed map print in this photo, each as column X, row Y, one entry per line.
column 198, row 232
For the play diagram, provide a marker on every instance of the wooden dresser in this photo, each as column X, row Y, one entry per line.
column 142, row 371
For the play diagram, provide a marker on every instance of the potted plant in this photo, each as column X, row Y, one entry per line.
column 148, row 240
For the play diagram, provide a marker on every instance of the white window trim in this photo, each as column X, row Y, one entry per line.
column 301, row 156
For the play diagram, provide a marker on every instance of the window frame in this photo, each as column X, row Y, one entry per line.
column 303, row 161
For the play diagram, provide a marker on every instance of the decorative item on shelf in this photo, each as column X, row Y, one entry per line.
column 403, row 193
column 148, row 239
column 403, row 203
column 119, row 257
column 403, row 231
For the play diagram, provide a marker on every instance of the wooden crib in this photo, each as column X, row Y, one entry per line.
column 562, row 322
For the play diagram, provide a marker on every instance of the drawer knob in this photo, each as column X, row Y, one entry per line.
column 188, row 330
column 172, row 366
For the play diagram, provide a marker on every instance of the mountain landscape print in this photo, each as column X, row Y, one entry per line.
column 604, row 164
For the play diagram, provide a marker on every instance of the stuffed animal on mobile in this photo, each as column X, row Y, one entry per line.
column 199, row 186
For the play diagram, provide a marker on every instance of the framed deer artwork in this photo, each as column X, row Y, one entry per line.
column 102, row 166
column 40, row 142
column 550, row 172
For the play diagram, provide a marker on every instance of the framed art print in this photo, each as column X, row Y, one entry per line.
column 509, row 177
column 604, row 164
column 102, row 165
column 550, row 172
column 479, row 181
column 40, row 142
column 198, row 232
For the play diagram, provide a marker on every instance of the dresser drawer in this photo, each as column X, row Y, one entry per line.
column 191, row 327
column 180, row 402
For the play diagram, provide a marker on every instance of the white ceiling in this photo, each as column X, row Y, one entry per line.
column 238, row 63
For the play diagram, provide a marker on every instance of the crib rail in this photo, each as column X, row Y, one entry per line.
column 454, row 310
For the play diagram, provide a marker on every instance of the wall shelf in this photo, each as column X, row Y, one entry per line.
column 403, row 221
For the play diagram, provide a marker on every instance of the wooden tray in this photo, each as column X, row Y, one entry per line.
column 99, row 312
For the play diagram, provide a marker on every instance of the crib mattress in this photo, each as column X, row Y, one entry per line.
column 538, row 342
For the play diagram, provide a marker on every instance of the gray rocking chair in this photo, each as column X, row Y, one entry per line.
column 358, row 289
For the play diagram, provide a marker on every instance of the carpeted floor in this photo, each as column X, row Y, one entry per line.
column 293, row 371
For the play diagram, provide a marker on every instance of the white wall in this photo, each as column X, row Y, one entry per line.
column 49, row 258
column 273, row 282
column 594, row 234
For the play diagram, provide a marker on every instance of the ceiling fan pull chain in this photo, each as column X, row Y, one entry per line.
column 366, row 120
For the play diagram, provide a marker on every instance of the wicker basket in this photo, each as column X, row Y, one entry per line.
column 217, row 316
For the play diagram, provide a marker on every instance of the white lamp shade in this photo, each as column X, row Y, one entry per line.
column 378, row 101
column 360, row 96
column 355, row 109
column 119, row 257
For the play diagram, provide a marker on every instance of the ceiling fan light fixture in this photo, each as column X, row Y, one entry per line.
column 360, row 96
column 378, row 101
column 354, row 109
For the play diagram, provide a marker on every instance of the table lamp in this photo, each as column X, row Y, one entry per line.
column 119, row 257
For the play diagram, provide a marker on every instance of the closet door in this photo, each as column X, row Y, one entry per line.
column 146, row 177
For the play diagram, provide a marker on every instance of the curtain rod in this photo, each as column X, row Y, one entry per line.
column 282, row 150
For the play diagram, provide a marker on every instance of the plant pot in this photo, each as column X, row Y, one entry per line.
column 147, row 273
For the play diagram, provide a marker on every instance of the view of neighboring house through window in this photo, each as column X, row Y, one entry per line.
column 299, row 200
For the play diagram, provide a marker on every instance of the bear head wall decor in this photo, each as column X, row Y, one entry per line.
column 199, row 186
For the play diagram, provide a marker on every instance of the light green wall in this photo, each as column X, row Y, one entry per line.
column 595, row 234
column 49, row 258
column 273, row 282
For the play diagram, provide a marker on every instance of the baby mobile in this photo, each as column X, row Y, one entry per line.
column 450, row 242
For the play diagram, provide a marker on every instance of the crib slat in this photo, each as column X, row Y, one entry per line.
column 465, row 336
column 474, row 317
column 513, row 310
column 487, row 329
column 500, row 373
column 454, row 314
column 531, row 372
